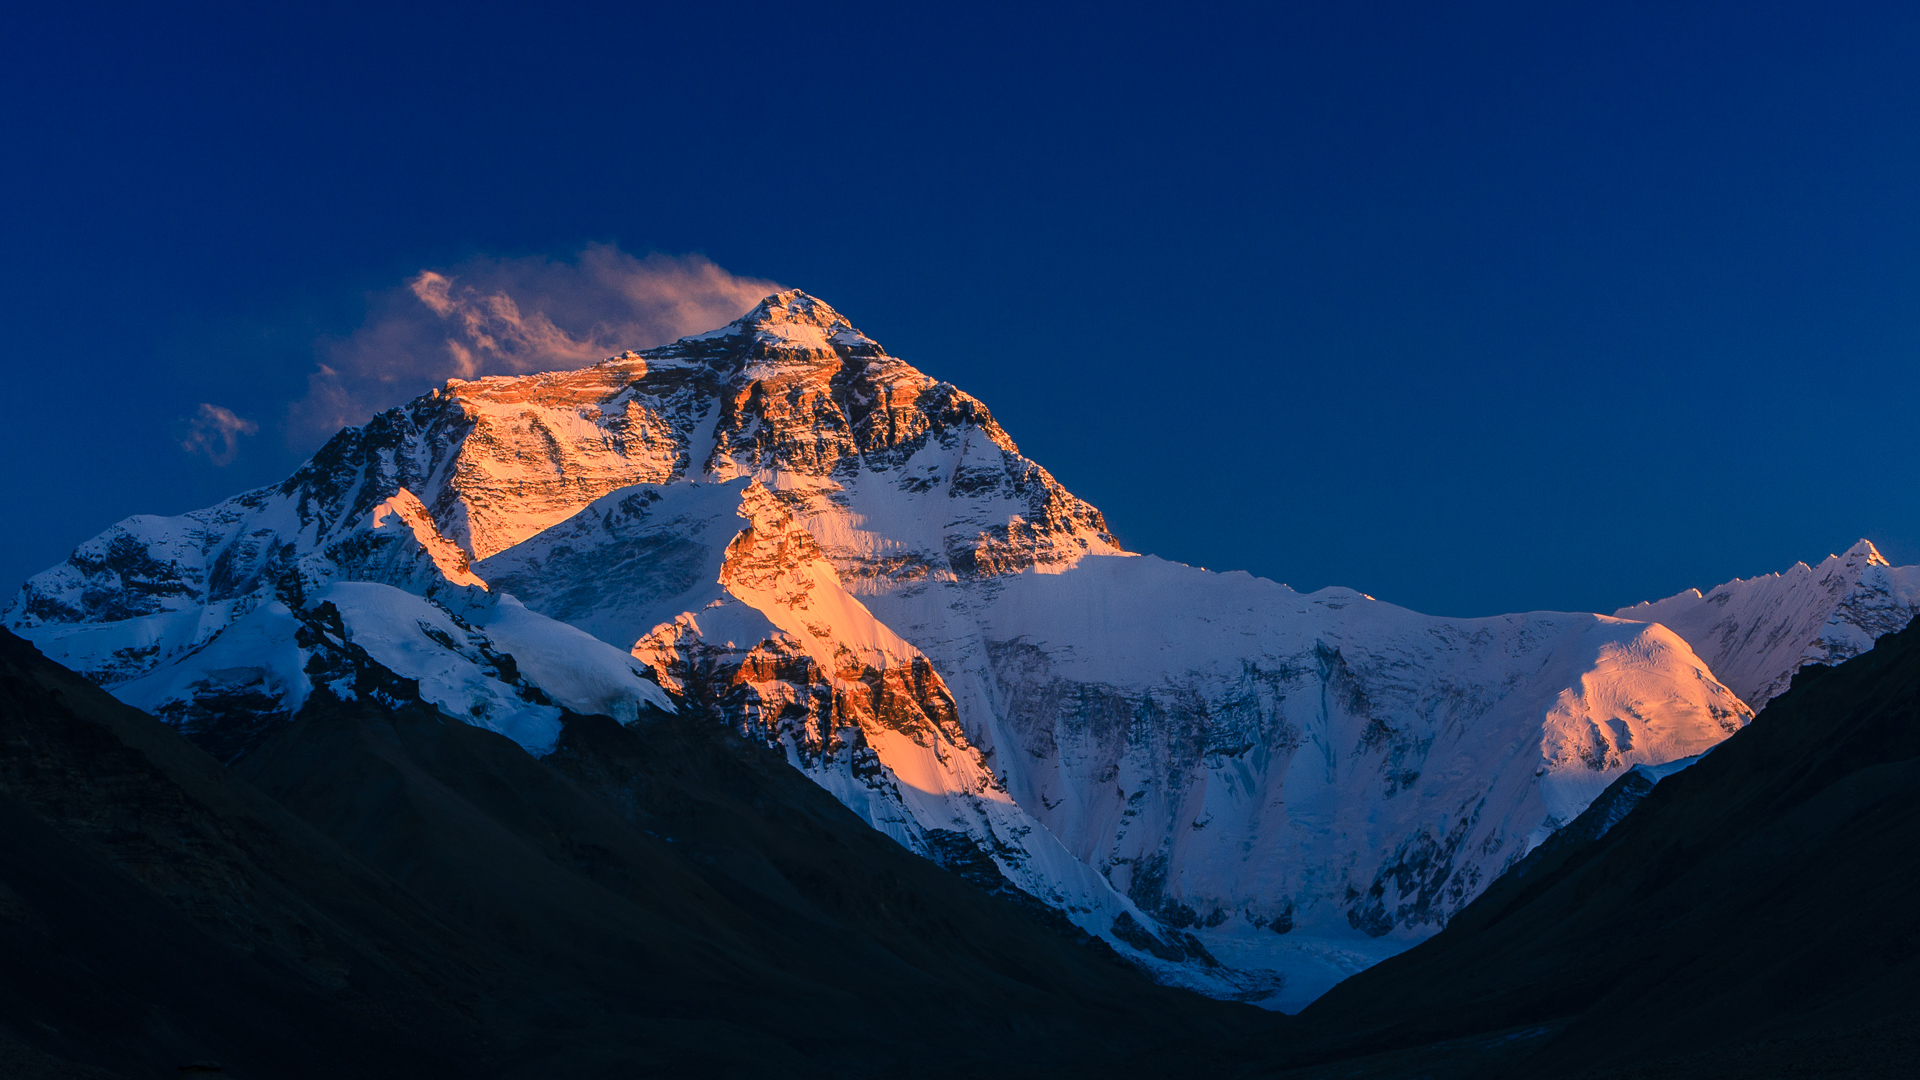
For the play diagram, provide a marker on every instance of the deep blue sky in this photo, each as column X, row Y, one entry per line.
column 1493, row 308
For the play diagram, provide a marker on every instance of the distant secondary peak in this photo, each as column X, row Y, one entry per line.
column 1864, row 553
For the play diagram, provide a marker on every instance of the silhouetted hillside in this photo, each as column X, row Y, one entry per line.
column 375, row 891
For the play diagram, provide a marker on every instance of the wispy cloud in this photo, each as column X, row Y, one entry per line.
column 492, row 316
column 216, row 432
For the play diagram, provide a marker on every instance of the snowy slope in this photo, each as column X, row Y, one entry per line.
column 835, row 554
column 1756, row 632
column 218, row 614
column 1245, row 760
column 754, row 623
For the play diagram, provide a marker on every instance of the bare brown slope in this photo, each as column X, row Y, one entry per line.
column 378, row 891
column 1751, row 917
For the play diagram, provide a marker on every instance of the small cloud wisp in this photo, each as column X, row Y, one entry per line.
column 216, row 432
column 491, row 316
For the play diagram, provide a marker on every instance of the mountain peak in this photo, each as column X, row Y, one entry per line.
column 792, row 322
column 791, row 307
column 1864, row 553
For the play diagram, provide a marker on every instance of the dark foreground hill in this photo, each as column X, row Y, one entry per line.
column 376, row 892
column 1754, row 916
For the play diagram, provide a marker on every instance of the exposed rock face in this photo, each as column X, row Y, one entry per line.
column 845, row 559
column 1756, row 632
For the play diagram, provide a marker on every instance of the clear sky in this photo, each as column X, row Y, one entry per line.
column 1474, row 307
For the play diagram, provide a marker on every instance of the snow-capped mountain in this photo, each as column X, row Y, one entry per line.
column 1756, row 632
column 1247, row 789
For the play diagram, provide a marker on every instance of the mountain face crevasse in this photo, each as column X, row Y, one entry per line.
column 1243, row 788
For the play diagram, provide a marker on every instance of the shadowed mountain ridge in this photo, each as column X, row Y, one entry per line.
column 377, row 891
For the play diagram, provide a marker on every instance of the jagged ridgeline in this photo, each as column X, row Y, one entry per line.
column 1241, row 788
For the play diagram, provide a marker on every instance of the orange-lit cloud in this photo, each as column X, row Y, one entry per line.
column 216, row 432
column 490, row 316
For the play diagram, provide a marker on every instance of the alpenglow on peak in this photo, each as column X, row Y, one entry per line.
column 1243, row 788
